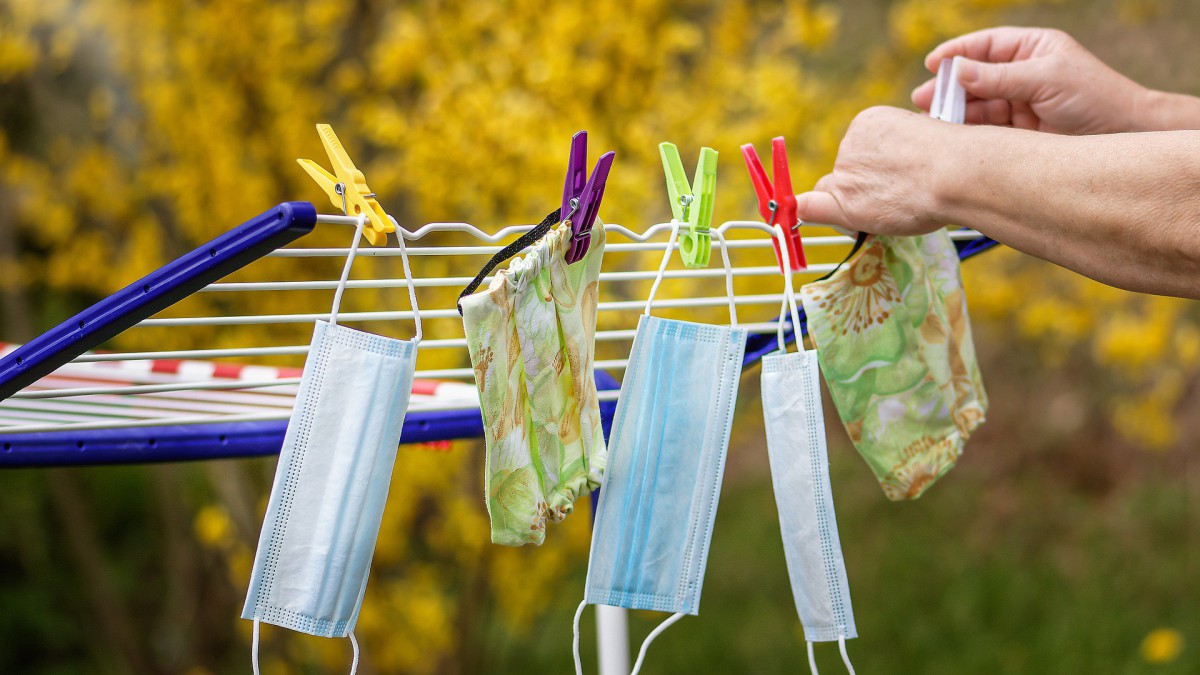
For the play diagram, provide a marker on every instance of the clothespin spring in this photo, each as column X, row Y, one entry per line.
column 340, row 189
column 774, row 206
column 576, row 235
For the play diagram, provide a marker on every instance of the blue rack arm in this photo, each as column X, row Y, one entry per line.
column 156, row 291
column 222, row 440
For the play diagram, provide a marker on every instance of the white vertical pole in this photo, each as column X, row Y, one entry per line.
column 612, row 640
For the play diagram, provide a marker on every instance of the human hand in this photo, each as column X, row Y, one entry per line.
column 887, row 178
column 1039, row 79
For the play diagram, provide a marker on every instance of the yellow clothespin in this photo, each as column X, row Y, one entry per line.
column 348, row 189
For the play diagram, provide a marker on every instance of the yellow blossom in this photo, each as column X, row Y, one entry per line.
column 213, row 527
column 1162, row 645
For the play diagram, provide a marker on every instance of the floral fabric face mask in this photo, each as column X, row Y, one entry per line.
column 532, row 336
column 894, row 343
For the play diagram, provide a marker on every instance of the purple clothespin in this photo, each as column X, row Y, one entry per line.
column 581, row 201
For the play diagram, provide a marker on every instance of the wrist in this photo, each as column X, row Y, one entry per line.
column 1163, row 111
column 1149, row 111
column 980, row 174
column 953, row 178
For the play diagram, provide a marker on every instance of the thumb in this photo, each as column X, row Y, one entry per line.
column 821, row 208
column 1015, row 81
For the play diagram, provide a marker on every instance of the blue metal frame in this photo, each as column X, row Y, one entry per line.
column 186, row 442
column 154, row 292
column 134, row 445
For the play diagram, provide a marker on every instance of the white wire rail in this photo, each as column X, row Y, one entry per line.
column 138, row 388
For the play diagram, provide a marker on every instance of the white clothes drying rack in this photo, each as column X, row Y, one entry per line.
column 21, row 413
column 170, row 404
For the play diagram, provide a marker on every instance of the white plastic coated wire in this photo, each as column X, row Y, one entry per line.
column 105, row 390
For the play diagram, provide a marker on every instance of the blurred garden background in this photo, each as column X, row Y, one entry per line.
column 1064, row 542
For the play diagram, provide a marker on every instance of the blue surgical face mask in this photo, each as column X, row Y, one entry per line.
column 331, row 483
column 666, row 459
column 795, row 426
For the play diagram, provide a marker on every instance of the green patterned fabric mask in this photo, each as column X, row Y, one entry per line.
column 532, row 336
column 894, row 343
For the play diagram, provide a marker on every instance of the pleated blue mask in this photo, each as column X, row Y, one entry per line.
column 666, row 458
column 331, row 482
column 795, row 427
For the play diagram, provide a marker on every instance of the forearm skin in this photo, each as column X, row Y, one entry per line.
column 1123, row 209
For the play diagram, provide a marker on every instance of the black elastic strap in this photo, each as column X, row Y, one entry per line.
column 509, row 251
column 858, row 243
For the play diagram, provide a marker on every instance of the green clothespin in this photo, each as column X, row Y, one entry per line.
column 688, row 207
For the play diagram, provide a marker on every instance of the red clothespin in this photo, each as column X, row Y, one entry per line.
column 581, row 200
column 777, row 205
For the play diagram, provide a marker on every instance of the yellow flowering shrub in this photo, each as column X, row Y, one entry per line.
column 144, row 129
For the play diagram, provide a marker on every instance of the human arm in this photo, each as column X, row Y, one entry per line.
column 1123, row 209
column 1042, row 79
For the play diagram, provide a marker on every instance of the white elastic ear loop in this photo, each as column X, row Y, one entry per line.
column 341, row 287
column 412, row 291
column 254, row 649
column 728, row 276
column 662, row 266
column 354, row 644
column 637, row 666
column 812, row 662
column 575, row 642
column 789, row 298
column 845, row 656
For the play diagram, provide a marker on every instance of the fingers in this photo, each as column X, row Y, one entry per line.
column 996, row 112
column 1023, row 117
column 821, row 208
column 1018, row 81
column 992, row 45
column 1000, row 93
column 922, row 96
